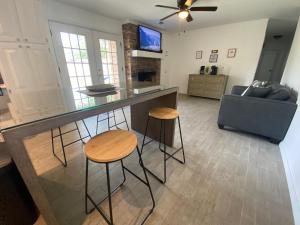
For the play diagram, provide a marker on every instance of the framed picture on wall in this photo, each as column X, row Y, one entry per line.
column 231, row 53
column 213, row 58
column 198, row 54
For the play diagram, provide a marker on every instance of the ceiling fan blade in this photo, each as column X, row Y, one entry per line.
column 204, row 8
column 189, row 18
column 181, row 3
column 165, row 6
column 168, row 16
column 190, row 2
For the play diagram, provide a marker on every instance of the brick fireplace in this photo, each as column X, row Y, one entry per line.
column 138, row 69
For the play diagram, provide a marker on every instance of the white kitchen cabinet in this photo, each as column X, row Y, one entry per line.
column 21, row 21
column 15, row 68
column 31, row 21
column 9, row 23
column 43, row 66
column 26, row 69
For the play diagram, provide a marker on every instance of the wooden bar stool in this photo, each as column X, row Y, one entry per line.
column 63, row 145
column 106, row 148
column 164, row 114
column 108, row 117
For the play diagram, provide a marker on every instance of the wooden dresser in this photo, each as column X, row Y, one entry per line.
column 209, row 86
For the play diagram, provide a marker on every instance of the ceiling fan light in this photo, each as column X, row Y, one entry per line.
column 183, row 14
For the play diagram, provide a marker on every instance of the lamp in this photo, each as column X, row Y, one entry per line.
column 183, row 14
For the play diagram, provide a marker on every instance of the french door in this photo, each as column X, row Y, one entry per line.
column 86, row 57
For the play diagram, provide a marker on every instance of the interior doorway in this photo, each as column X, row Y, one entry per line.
column 277, row 44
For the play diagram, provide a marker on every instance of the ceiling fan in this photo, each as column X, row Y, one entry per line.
column 184, row 8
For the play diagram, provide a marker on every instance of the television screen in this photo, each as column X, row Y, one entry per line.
column 149, row 40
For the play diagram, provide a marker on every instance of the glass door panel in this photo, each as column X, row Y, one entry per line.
column 74, row 49
column 108, row 50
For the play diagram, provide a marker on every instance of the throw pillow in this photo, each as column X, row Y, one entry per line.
column 282, row 93
column 258, row 92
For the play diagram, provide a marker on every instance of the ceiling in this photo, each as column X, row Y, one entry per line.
column 229, row 11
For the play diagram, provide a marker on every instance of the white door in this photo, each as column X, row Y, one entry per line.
column 109, row 58
column 75, row 57
column 9, row 23
column 31, row 21
column 84, row 60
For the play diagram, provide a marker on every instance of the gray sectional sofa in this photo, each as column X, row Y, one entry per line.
column 263, row 116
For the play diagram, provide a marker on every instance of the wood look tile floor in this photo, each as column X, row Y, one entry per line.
column 229, row 178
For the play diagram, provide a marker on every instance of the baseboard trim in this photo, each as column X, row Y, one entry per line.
column 290, row 176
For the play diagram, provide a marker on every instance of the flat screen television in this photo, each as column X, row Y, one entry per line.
column 149, row 39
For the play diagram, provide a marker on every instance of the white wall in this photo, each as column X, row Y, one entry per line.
column 75, row 16
column 247, row 37
column 290, row 147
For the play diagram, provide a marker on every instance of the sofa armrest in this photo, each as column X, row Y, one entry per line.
column 238, row 90
column 270, row 118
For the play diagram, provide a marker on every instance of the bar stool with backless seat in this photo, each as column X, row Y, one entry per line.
column 63, row 145
column 106, row 148
column 108, row 117
column 164, row 114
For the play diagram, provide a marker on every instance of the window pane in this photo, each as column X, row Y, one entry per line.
column 88, row 81
column 104, row 57
column 81, row 81
column 109, row 57
column 65, row 39
column 76, row 55
column 86, row 70
column 74, row 41
column 79, row 69
column 84, row 56
column 71, row 69
column 113, row 46
column 68, row 55
column 105, row 69
column 82, row 43
column 74, row 82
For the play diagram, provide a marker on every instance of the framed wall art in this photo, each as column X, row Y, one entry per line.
column 231, row 53
column 213, row 58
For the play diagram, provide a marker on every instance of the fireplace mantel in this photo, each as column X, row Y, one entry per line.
column 146, row 54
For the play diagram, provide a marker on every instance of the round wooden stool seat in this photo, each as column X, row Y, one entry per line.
column 164, row 113
column 110, row 146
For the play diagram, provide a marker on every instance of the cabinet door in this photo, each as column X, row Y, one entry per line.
column 15, row 67
column 31, row 21
column 9, row 24
column 46, row 74
column 43, row 66
column 21, row 81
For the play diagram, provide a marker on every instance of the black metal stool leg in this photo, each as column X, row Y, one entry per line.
column 77, row 127
column 52, row 141
column 86, row 184
column 108, row 122
column 143, row 144
column 97, row 127
column 114, row 116
column 183, row 155
column 109, row 194
column 165, row 150
column 64, row 163
column 125, row 119
column 89, row 134
column 123, row 170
